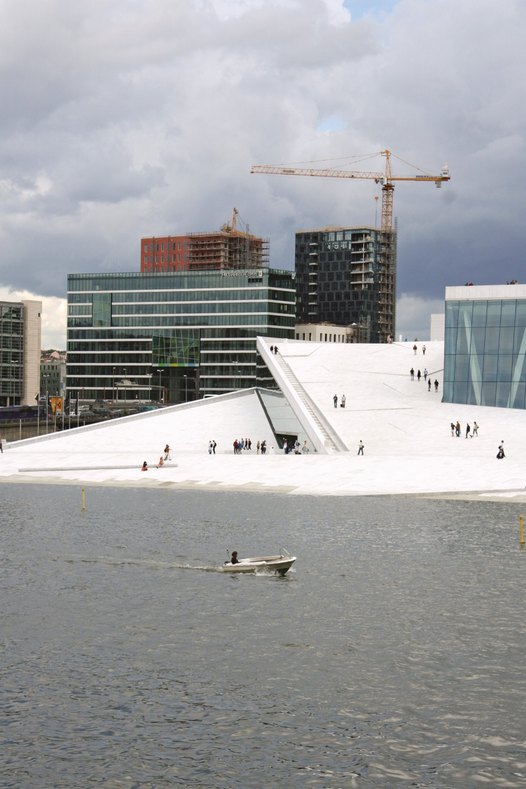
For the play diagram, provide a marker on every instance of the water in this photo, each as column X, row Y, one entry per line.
column 392, row 656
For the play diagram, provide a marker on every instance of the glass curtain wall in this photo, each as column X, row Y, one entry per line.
column 485, row 351
column 173, row 337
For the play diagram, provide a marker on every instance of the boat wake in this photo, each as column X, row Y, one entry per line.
column 154, row 564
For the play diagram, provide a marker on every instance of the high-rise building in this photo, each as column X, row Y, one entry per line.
column 228, row 248
column 345, row 276
column 20, row 337
column 174, row 336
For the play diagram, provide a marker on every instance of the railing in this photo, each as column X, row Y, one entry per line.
column 319, row 429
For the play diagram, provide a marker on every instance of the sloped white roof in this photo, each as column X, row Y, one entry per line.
column 405, row 428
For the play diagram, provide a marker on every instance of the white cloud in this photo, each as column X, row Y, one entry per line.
column 54, row 312
column 413, row 316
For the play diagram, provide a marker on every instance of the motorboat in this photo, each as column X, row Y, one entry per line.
column 279, row 563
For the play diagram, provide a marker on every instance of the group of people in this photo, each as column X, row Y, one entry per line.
column 164, row 456
column 415, row 349
column 342, row 401
column 273, row 349
column 241, row 444
column 419, row 375
column 456, row 429
column 212, row 447
column 296, row 448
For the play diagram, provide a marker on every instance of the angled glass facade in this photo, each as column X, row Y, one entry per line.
column 485, row 346
column 173, row 336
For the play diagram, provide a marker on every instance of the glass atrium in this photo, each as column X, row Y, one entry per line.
column 485, row 347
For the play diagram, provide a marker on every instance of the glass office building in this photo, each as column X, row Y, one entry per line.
column 485, row 346
column 174, row 336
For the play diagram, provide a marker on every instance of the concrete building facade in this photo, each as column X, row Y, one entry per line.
column 329, row 332
column 20, row 339
column 345, row 276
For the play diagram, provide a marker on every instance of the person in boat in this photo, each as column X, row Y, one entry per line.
column 233, row 558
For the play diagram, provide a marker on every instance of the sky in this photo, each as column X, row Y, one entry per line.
column 143, row 117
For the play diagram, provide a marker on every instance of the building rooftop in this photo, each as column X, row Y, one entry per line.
column 405, row 427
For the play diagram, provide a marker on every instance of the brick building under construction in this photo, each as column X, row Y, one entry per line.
column 227, row 248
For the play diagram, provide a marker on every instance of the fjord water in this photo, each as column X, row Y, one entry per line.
column 392, row 655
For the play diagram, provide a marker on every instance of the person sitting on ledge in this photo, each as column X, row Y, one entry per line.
column 144, row 466
column 161, row 462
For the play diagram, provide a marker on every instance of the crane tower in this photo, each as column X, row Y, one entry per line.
column 348, row 275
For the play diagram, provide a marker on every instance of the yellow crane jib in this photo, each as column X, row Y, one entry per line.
column 386, row 178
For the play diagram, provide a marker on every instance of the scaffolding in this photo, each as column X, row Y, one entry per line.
column 226, row 249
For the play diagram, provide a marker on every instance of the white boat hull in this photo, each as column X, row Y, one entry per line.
column 261, row 564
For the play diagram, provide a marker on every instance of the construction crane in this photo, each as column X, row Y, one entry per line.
column 386, row 178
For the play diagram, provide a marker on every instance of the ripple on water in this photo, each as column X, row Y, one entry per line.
column 391, row 656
